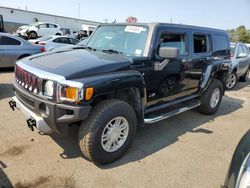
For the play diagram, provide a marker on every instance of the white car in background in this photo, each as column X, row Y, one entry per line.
column 52, row 42
column 39, row 29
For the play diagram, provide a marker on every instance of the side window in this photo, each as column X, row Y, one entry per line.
column 245, row 49
column 200, row 43
column 61, row 40
column 52, row 26
column 42, row 26
column 220, row 43
column 239, row 50
column 9, row 41
column 174, row 40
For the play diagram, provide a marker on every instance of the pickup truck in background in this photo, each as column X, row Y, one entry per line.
column 128, row 75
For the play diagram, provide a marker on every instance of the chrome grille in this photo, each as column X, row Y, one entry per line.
column 27, row 80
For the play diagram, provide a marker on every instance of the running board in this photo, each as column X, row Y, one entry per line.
column 153, row 118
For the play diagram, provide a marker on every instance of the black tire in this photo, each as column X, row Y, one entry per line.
column 58, row 34
column 245, row 77
column 231, row 81
column 92, row 128
column 32, row 35
column 206, row 107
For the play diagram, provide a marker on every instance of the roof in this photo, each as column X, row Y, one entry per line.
column 154, row 24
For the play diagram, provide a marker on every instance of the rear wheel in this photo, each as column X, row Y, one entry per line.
column 108, row 132
column 211, row 99
column 231, row 81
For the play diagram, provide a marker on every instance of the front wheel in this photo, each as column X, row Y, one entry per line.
column 211, row 99
column 108, row 132
column 231, row 81
column 32, row 35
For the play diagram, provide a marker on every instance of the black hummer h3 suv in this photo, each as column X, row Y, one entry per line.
column 128, row 75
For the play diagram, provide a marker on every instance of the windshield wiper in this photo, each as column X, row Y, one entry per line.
column 90, row 48
column 113, row 51
column 79, row 47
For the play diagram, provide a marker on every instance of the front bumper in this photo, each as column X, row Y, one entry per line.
column 56, row 117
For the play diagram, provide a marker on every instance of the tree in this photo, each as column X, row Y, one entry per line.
column 131, row 19
column 240, row 34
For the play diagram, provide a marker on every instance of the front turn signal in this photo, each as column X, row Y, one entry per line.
column 89, row 93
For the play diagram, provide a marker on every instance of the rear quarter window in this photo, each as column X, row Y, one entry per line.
column 221, row 42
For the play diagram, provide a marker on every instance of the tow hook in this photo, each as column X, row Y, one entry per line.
column 12, row 105
column 31, row 124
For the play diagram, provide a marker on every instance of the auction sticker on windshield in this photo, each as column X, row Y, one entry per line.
column 134, row 29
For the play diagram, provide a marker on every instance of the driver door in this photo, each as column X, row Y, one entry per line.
column 170, row 82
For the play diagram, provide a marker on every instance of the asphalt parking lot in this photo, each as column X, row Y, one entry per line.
column 188, row 150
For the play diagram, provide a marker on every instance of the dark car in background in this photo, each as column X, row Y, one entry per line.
column 238, row 175
column 239, row 68
column 13, row 48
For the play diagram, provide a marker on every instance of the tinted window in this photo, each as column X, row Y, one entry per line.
column 221, row 43
column 8, row 41
column 73, row 41
column 61, row 40
column 173, row 40
column 43, row 26
column 200, row 43
column 245, row 49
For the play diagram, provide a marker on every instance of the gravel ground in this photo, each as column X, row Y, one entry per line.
column 188, row 150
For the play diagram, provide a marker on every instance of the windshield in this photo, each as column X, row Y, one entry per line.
column 232, row 49
column 127, row 40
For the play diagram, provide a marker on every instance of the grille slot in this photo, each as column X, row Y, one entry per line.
column 27, row 80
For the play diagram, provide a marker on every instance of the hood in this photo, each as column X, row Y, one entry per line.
column 74, row 64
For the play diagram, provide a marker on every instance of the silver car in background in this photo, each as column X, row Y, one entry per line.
column 52, row 42
column 239, row 68
column 13, row 48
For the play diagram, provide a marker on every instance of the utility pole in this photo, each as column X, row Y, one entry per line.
column 78, row 16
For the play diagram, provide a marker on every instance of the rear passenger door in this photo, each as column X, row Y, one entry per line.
column 201, row 53
column 247, row 59
column 43, row 30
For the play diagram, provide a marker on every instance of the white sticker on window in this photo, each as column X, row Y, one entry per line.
column 138, row 52
column 134, row 29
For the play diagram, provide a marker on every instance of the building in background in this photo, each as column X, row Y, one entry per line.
column 14, row 18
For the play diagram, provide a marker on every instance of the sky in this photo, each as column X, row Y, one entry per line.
column 222, row 14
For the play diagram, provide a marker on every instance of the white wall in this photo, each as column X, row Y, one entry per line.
column 28, row 17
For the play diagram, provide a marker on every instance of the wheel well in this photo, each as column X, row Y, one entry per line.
column 221, row 76
column 130, row 96
column 23, row 56
column 235, row 69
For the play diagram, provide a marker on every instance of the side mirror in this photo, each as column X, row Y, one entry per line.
column 242, row 55
column 169, row 52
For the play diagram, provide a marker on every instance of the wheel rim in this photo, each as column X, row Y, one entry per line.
column 115, row 134
column 244, row 174
column 215, row 98
column 231, row 81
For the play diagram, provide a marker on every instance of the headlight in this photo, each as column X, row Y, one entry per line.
column 71, row 93
column 48, row 89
